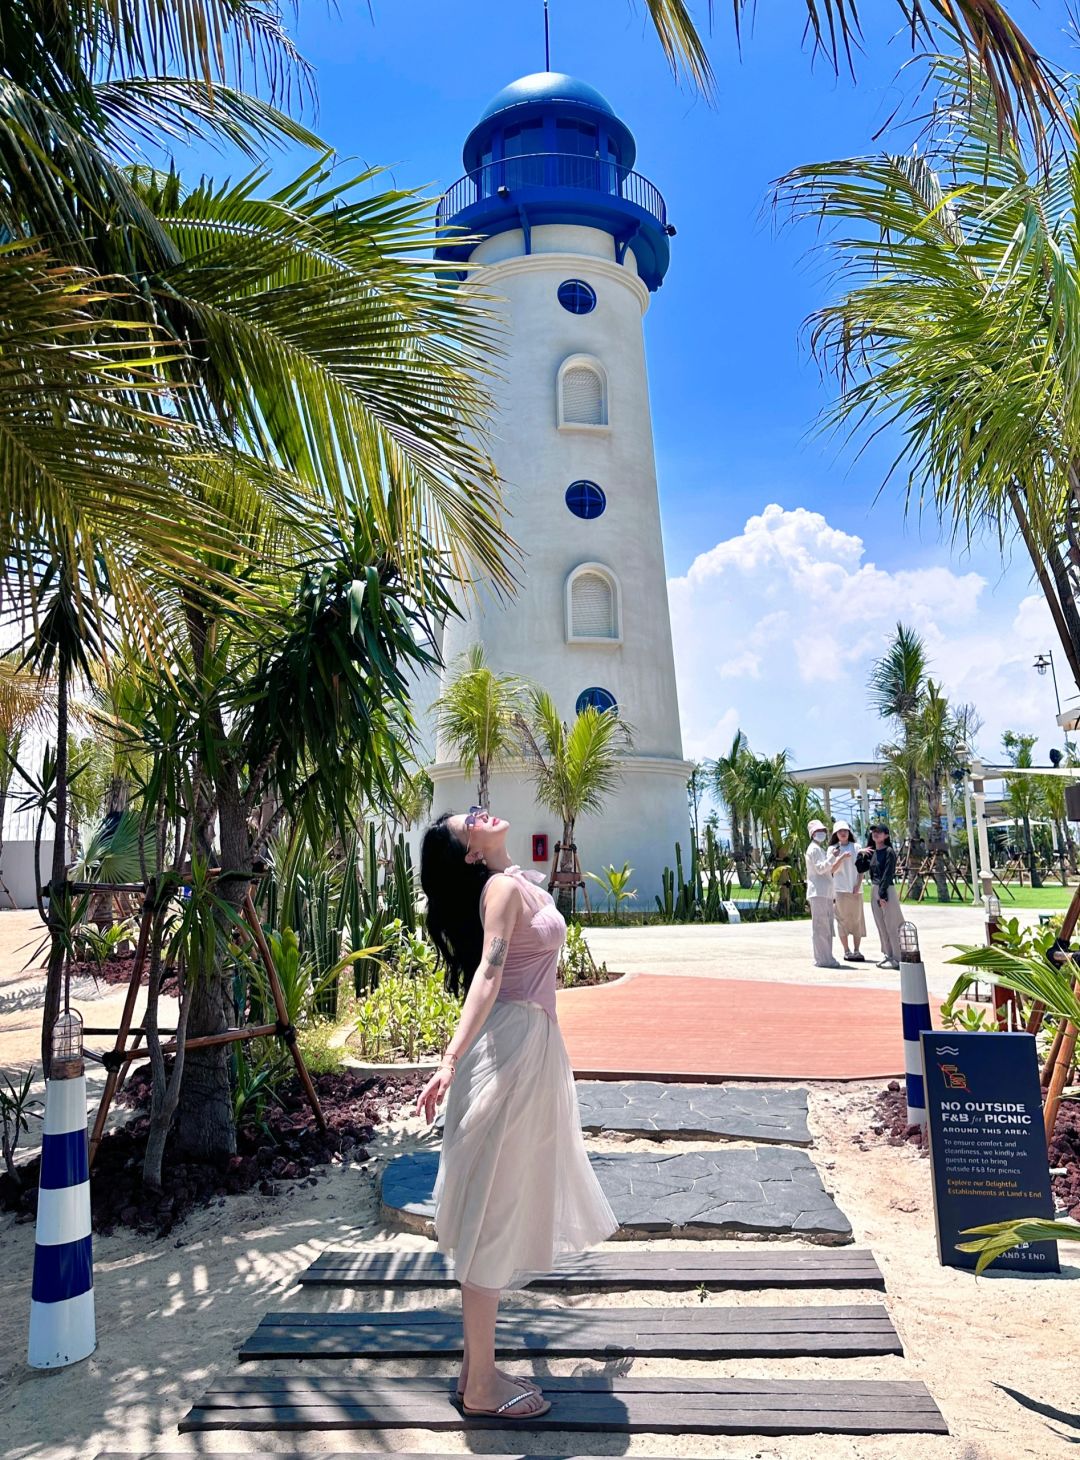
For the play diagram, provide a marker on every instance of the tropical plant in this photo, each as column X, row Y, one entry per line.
column 477, row 717
column 16, row 1103
column 575, row 959
column 731, row 786
column 897, row 692
column 408, row 1016
column 1024, row 792
column 957, row 323
column 574, row 769
column 613, row 883
column 991, row 44
column 1024, row 968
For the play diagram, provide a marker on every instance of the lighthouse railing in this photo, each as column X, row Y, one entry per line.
column 552, row 170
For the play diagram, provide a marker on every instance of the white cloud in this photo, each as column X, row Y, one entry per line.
column 793, row 611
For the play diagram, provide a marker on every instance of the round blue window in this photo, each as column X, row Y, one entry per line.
column 599, row 699
column 577, row 296
column 585, row 499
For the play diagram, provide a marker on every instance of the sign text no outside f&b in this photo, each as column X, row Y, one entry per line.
column 987, row 1144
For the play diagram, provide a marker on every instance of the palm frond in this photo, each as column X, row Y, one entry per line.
column 336, row 351
column 996, row 1238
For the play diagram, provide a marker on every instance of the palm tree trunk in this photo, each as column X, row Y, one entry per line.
column 739, row 853
column 205, row 1128
column 54, row 976
column 483, row 789
column 1036, row 880
column 566, row 896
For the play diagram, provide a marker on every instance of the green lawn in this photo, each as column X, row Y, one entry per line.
column 1053, row 897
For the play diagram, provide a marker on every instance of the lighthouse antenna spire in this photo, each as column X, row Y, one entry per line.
column 547, row 37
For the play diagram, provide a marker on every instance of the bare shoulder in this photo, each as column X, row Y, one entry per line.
column 501, row 891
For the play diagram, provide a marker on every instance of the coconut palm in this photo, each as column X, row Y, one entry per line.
column 958, row 322
column 731, row 785
column 477, row 717
column 574, row 769
column 1024, row 792
column 897, row 689
column 260, row 369
column 990, row 41
column 937, row 743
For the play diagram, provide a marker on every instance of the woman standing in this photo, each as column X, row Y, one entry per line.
column 819, row 894
column 847, row 889
column 880, row 861
column 515, row 1192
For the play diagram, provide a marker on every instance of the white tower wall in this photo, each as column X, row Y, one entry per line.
column 538, row 459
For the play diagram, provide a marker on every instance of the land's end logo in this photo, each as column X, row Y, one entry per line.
column 954, row 1077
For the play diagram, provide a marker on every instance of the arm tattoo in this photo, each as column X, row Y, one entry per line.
column 497, row 953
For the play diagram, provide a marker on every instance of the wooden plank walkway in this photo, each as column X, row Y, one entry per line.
column 772, row 1266
column 695, row 1333
column 585, row 1403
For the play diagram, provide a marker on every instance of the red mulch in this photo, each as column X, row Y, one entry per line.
column 352, row 1104
column 890, row 1123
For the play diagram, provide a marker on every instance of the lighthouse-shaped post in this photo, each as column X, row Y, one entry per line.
column 574, row 243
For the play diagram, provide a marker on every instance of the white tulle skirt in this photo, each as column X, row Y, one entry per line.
column 515, row 1192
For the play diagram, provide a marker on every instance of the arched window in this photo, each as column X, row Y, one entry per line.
column 582, row 392
column 586, row 499
column 597, row 698
column 593, row 605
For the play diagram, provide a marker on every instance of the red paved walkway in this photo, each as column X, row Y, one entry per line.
column 711, row 1028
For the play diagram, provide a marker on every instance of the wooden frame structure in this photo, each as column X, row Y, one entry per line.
column 568, row 876
column 117, row 1059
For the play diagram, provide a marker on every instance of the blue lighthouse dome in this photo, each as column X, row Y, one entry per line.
column 550, row 149
column 546, row 86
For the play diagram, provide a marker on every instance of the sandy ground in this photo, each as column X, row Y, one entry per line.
column 171, row 1315
column 995, row 1352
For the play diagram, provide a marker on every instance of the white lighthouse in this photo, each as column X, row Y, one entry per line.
column 574, row 243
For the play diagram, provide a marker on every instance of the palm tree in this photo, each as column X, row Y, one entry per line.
column 937, row 745
column 477, row 717
column 258, row 370
column 575, row 769
column 949, row 328
column 897, row 689
column 989, row 40
column 730, row 783
column 1024, row 792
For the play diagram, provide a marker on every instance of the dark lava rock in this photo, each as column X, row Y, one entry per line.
column 289, row 1146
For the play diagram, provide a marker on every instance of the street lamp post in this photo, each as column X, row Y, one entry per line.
column 1043, row 662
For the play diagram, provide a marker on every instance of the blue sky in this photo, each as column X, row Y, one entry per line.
column 776, row 623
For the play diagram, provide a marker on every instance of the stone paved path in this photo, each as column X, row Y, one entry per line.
column 763, row 1190
column 693, row 1112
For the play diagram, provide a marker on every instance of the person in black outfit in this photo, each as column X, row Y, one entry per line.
column 879, row 860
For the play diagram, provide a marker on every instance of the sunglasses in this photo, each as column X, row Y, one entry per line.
column 473, row 813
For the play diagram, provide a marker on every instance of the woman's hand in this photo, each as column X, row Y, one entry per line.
column 434, row 1092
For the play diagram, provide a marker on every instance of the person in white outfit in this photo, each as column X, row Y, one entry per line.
column 848, row 890
column 819, row 894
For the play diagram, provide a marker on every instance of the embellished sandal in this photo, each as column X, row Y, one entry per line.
column 526, row 1384
column 503, row 1411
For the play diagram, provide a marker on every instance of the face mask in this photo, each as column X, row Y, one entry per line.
column 819, row 836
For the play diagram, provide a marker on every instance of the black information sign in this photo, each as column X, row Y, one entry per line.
column 987, row 1143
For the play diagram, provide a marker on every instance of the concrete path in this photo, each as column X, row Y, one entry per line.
column 781, row 951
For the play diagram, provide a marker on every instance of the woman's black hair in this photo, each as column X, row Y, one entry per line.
column 452, row 887
column 834, row 840
column 878, row 826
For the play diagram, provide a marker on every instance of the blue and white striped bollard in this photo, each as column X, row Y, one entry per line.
column 915, row 1007
column 62, row 1326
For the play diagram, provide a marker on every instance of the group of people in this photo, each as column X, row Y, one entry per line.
column 835, row 871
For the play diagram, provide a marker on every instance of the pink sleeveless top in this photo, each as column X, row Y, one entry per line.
column 532, row 959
